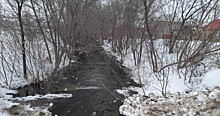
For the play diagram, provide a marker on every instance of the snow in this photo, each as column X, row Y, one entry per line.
column 202, row 97
column 215, row 95
column 51, row 104
column 177, row 105
column 37, row 59
column 11, row 75
column 6, row 102
column 202, row 94
column 47, row 96
column 89, row 87
column 4, row 91
column 212, row 78
column 176, row 84
column 122, row 91
column 151, row 82
column 94, row 113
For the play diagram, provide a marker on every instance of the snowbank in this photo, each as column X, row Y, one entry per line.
column 200, row 97
column 205, row 103
column 212, row 78
column 151, row 81
column 47, row 96
column 4, row 104
column 8, row 108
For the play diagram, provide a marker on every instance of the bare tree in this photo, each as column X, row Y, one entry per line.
column 19, row 5
column 42, row 31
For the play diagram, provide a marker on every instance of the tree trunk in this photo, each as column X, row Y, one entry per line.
column 22, row 38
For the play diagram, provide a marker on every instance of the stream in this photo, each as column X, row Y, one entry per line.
column 92, row 86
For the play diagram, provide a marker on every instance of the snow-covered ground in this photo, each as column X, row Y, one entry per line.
column 11, row 76
column 192, row 103
column 175, row 84
column 4, row 103
column 8, row 107
column 11, row 73
column 138, row 105
column 38, row 65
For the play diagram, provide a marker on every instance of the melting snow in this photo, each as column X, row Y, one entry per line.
column 47, row 96
column 89, row 87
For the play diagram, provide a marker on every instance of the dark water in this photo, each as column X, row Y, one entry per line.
column 101, row 71
column 92, row 86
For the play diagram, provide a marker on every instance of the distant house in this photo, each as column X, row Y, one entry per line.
column 168, row 30
column 213, row 26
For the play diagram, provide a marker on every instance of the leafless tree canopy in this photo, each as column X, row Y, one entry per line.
column 38, row 33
